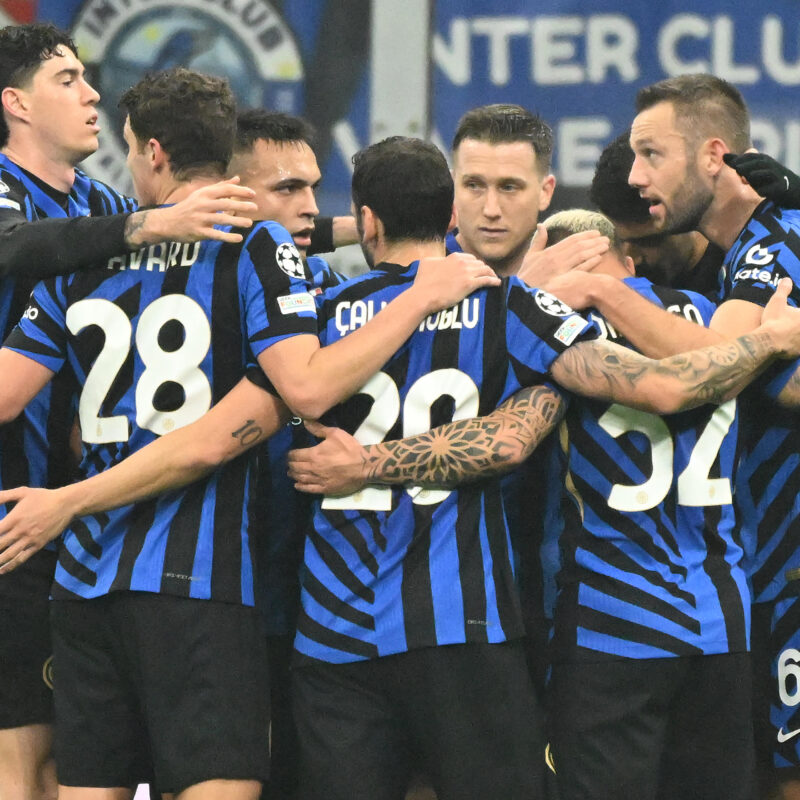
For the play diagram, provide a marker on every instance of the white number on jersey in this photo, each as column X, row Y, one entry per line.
column 695, row 488
column 180, row 366
column 416, row 414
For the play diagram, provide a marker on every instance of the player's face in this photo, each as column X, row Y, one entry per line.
column 284, row 176
column 665, row 171
column 62, row 108
column 138, row 166
column 499, row 193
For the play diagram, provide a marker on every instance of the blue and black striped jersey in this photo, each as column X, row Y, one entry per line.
column 283, row 515
column 34, row 447
column 153, row 339
column 768, row 478
column 651, row 555
column 389, row 570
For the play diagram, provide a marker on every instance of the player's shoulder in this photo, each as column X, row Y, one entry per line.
column 12, row 189
column 84, row 185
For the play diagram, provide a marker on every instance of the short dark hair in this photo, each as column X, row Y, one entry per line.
column 709, row 105
column 408, row 185
column 253, row 124
column 502, row 123
column 193, row 117
column 23, row 49
column 610, row 190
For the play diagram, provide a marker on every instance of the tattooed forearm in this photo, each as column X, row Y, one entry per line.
column 133, row 228
column 469, row 449
column 708, row 375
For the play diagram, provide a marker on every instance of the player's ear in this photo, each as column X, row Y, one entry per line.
column 156, row 155
column 453, row 219
column 546, row 192
column 369, row 224
column 15, row 102
column 711, row 152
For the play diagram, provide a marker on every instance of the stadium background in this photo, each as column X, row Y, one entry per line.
column 364, row 69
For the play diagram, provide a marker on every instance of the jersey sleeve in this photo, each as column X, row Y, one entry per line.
column 41, row 333
column 277, row 289
column 41, row 248
column 759, row 264
column 539, row 328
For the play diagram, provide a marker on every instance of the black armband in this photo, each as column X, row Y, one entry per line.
column 322, row 236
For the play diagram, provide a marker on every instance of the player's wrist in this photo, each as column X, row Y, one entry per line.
column 142, row 228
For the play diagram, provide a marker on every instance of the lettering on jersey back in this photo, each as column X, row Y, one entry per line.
column 158, row 257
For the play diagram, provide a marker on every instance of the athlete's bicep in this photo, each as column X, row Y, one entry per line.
column 735, row 317
column 286, row 364
column 23, row 379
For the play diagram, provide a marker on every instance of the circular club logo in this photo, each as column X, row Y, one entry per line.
column 119, row 41
column 551, row 304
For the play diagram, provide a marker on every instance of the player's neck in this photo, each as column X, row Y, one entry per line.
column 407, row 251
column 53, row 171
column 733, row 204
column 173, row 191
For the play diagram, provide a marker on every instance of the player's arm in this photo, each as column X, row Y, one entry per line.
column 244, row 417
column 649, row 328
column 23, row 379
column 458, row 452
column 48, row 247
column 311, row 379
column 711, row 374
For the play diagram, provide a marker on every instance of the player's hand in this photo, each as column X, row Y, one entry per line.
column 444, row 281
column 580, row 251
column 767, row 176
column 575, row 288
column 38, row 517
column 335, row 466
column 194, row 217
column 782, row 321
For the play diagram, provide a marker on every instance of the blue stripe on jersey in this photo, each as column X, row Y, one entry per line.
column 768, row 477
column 435, row 568
column 153, row 346
column 651, row 555
column 33, row 448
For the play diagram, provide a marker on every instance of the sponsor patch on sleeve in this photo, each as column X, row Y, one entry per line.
column 6, row 203
column 295, row 303
column 569, row 330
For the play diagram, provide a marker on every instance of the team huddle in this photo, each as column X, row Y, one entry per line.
column 513, row 512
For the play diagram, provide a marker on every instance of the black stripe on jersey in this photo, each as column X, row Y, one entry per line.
column 494, row 349
column 74, row 568
column 719, row 572
column 229, row 509
column 639, row 598
column 226, row 328
column 606, row 551
column 179, row 554
column 338, row 566
column 328, row 638
column 141, row 520
column 631, row 531
column 632, row 632
column 85, row 539
column 416, row 588
column 329, row 601
column 470, row 560
column 763, row 474
column 416, row 591
column 62, row 468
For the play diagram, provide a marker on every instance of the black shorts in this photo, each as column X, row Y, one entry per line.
column 776, row 689
column 158, row 688
column 664, row 728
column 26, row 689
column 466, row 713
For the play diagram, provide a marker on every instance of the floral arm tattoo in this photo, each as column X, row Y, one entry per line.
column 469, row 449
column 708, row 375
